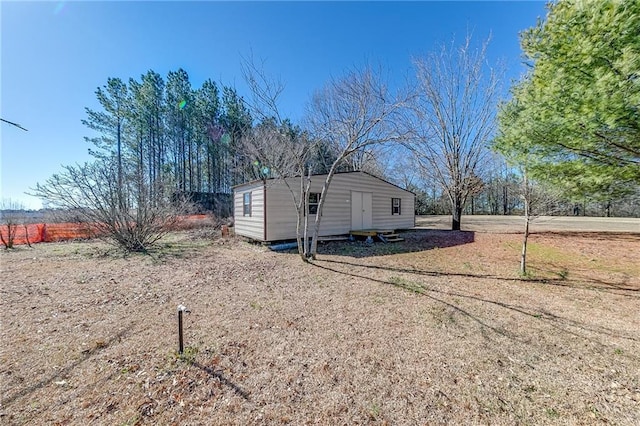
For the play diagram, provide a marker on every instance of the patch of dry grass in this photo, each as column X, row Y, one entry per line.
column 436, row 330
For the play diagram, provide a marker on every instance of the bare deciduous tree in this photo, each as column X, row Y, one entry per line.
column 403, row 169
column 279, row 149
column 353, row 114
column 282, row 153
column 121, row 215
column 453, row 118
column 11, row 217
column 537, row 200
column 349, row 117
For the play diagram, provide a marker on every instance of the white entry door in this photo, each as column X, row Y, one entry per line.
column 361, row 214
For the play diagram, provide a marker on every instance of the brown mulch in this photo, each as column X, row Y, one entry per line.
column 439, row 329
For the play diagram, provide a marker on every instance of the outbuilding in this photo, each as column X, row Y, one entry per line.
column 265, row 211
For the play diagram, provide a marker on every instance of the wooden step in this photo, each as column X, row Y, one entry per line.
column 389, row 235
column 394, row 240
column 385, row 235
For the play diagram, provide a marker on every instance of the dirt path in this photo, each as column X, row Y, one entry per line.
column 514, row 224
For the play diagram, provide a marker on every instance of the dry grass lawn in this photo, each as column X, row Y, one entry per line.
column 439, row 329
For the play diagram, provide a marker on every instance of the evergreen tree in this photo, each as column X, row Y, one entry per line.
column 179, row 97
column 147, row 120
column 110, row 124
column 575, row 116
column 209, row 133
column 236, row 119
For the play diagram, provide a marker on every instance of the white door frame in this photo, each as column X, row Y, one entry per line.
column 361, row 210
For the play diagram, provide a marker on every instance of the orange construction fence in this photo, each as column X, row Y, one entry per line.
column 47, row 232
column 51, row 232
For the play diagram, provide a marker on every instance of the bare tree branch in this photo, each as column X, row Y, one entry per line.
column 13, row 124
column 118, row 215
column 280, row 150
column 454, row 117
column 354, row 114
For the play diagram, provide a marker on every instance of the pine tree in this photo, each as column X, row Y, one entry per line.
column 111, row 125
column 575, row 116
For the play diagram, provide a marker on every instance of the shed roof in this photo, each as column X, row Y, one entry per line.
column 253, row 182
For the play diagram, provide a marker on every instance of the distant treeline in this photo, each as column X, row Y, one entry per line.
column 170, row 136
column 164, row 138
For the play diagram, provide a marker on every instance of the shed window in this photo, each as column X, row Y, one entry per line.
column 395, row 206
column 246, row 204
column 314, row 200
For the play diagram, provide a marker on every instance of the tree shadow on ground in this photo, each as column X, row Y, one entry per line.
column 582, row 282
column 216, row 374
column 558, row 322
column 422, row 240
column 84, row 356
column 573, row 278
column 591, row 235
column 414, row 241
column 419, row 289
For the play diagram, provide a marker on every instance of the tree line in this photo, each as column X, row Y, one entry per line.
column 156, row 143
column 168, row 136
column 570, row 129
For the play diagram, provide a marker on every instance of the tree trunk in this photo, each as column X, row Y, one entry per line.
column 299, row 237
column 323, row 195
column 140, row 167
column 119, row 154
column 306, row 186
column 305, row 236
column 304, row 203
column 527, row 219
column 505, row 200
column 523, row 258
column 190, row 163
column 26, row 235
column 300, row 234
column 457, row 215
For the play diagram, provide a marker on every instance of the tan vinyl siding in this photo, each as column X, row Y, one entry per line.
column 336, row 215
column 382, row 192
column 249, row 226
column 281, row 212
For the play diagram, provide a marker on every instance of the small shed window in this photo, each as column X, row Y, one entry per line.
column 395, row 206
column 246, row 204
column 314, row 200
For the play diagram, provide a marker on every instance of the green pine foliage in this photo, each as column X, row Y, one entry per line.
column 168, row 137
column 574, row 119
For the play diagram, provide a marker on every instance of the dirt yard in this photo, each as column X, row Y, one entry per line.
column 511, row 224
column 439, row 329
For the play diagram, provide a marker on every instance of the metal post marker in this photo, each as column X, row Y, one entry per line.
column 181, row 309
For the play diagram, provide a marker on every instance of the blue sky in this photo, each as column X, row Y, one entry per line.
column 55, row 55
